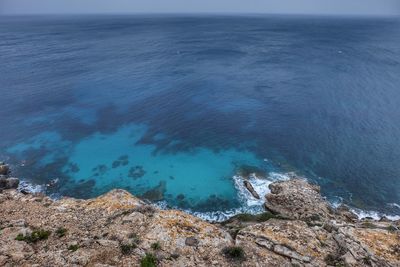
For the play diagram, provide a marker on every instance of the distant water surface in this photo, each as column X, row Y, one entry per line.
column 174, row 108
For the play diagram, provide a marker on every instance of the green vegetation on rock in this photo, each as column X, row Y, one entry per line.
column 34, row 237
column 73, row 248
column 127, row 248
column 61, row 232
column 148, row 261
column 156, row 246
column 234, row 253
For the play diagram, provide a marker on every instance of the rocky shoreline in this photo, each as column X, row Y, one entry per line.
column 7, row 182
column 299, row 228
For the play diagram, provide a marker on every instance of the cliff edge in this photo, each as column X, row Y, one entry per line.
column 299, row 228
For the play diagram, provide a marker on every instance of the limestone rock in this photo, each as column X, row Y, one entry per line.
column 118, row 229
column 9, row 183
column 297, row 199
column 4, row 169
column 191, row 241
column 288, row 240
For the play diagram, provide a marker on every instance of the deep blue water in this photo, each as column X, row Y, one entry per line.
column 173, row 107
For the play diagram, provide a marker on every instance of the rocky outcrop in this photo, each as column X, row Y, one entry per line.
column 297, row 199
column 5, row 181
column 118, row 229
column 4, row 169
column 8, row 183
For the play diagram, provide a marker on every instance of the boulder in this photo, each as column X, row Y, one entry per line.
column 346, row 214
column 12, row 183
column 249, row 187
column 9, row 183
column 3, row 182
column 4, row 169
column 191, row 241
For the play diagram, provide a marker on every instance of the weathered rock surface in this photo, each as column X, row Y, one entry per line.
column 4, row 169
column 297, row 199
column 118, row 229
column 8, row 183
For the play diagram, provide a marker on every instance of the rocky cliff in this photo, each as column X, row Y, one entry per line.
column 117, row 229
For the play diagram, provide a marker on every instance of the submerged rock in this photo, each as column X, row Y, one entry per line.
column 136, row 172
column 74, row 167
column 115, row 164
column 180, row 197
column 157, row 193
column 121, row 161
column 246, row 170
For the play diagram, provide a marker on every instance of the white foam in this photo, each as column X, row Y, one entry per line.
column 219, row 216
column 31, row 188
column 214, row 216
column 249, row 204
column 252, row 205
column 259, row 185
column 276, row 176
column 373, row 214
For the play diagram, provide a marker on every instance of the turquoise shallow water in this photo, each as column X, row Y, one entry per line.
column 201, row 172
column 198, row 179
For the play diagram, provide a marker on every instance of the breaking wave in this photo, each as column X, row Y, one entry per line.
column 249, row 204
column 31, row 188
column 375, row 215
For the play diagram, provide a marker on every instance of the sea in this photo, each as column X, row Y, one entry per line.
column 180, row 109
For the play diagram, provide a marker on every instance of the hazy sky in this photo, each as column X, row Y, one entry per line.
column 361, row 7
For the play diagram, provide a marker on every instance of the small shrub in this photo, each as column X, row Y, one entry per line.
column 39, row 235
column 174, row 256
column 265, row 216
column 127, row 248
column 368, row 225
column 34, row 237
column 391, row 228
column 20, row 237
column 334, row 260
column 315, row 217
column 148, row 261
column 73, row 248
column 113, row 237
column 134, row 238
column 234, row 252
column 126, row 212
column 61, row 232
column 145, row 209
column 246, row 217
column 367, row 261
column 156, row 246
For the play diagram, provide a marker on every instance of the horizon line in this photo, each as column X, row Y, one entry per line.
column 324, row 14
